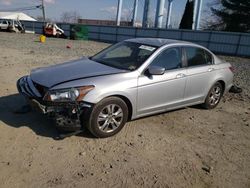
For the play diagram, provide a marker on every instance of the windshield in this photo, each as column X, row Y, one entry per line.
column 125, row 55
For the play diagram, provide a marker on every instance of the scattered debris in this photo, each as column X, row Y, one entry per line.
column 82, row 153
column 191, row 118
column 235, row 89
column 206, row 168
column 80, row 174
column 42, row 38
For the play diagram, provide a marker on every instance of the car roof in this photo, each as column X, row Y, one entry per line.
column 157, row 41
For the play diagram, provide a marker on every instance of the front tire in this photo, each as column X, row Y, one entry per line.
column 108, row 117
column 214, row 96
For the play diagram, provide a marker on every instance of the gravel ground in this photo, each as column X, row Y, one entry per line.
column 189, row 147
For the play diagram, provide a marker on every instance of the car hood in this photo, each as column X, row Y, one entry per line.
column 69, row 71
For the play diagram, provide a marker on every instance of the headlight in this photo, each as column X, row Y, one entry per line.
column 66, row 95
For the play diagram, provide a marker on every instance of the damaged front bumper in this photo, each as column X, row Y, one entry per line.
column 68, row 116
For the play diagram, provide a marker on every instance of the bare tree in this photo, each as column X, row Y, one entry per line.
column 127, row 15
column 70, row 17
column 210, row 21
column 234, row 15
column 40, row 18
column 229, row 15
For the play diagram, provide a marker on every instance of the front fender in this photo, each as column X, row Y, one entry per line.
column 95, row 97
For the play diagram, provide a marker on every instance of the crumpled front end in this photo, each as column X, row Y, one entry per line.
column 27, row 88
column 69, row 116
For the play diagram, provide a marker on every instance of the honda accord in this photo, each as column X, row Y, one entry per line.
column 128, row 80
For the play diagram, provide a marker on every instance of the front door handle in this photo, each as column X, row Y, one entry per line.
column 181, row 75
column 210, row 69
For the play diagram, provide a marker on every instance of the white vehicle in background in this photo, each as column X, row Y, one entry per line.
column 16, row 26
column 52, row 30
column 11, row 26
column 4, row 25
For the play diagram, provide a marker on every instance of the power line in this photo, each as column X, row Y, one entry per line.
column 21, row 8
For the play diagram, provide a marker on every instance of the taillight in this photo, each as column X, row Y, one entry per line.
column 231, row 69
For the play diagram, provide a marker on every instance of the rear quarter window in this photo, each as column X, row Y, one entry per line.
column 209, row 57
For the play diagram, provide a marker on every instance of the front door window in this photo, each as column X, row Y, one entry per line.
column 169, row 59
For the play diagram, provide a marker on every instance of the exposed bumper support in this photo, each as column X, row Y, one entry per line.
column 68, row 116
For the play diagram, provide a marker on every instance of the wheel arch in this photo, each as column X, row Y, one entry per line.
column 223, row 84
column 221, row 81
column 128, row 103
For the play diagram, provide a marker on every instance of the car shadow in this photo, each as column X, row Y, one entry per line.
column 39, row 123
column 197, row 106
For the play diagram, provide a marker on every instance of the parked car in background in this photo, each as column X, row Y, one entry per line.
column 128, row 80
column 16, row 26
column 12, row 26
column 52, row 30
column 4, row 25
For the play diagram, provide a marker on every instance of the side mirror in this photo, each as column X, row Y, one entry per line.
column 156, row 70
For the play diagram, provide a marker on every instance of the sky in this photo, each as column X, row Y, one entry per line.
column 94, row 9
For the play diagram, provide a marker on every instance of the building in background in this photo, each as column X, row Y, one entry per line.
column 16, row 16
column 103, row 22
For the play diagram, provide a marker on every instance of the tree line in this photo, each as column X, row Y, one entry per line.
column 226, row 15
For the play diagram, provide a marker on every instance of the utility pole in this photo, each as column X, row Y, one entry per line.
column 135, row 12
column 119, row 12
column 159, row 13
column 170, row 3
column 145, row 21
column 197, row 14
column 43, row 10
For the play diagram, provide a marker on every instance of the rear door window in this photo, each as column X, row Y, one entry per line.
column 197, row 56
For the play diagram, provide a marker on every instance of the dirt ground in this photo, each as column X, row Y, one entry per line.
column 190, row 147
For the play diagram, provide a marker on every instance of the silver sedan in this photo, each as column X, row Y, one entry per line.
column 131, row 79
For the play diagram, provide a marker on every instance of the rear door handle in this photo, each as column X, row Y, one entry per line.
column 210, row 69
column 181, row 75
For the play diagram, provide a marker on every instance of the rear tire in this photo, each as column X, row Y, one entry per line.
column 214, row 96
column 108, row 117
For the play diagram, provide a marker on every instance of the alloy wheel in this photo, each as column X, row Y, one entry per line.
column 110, row 118
column 215, row 95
